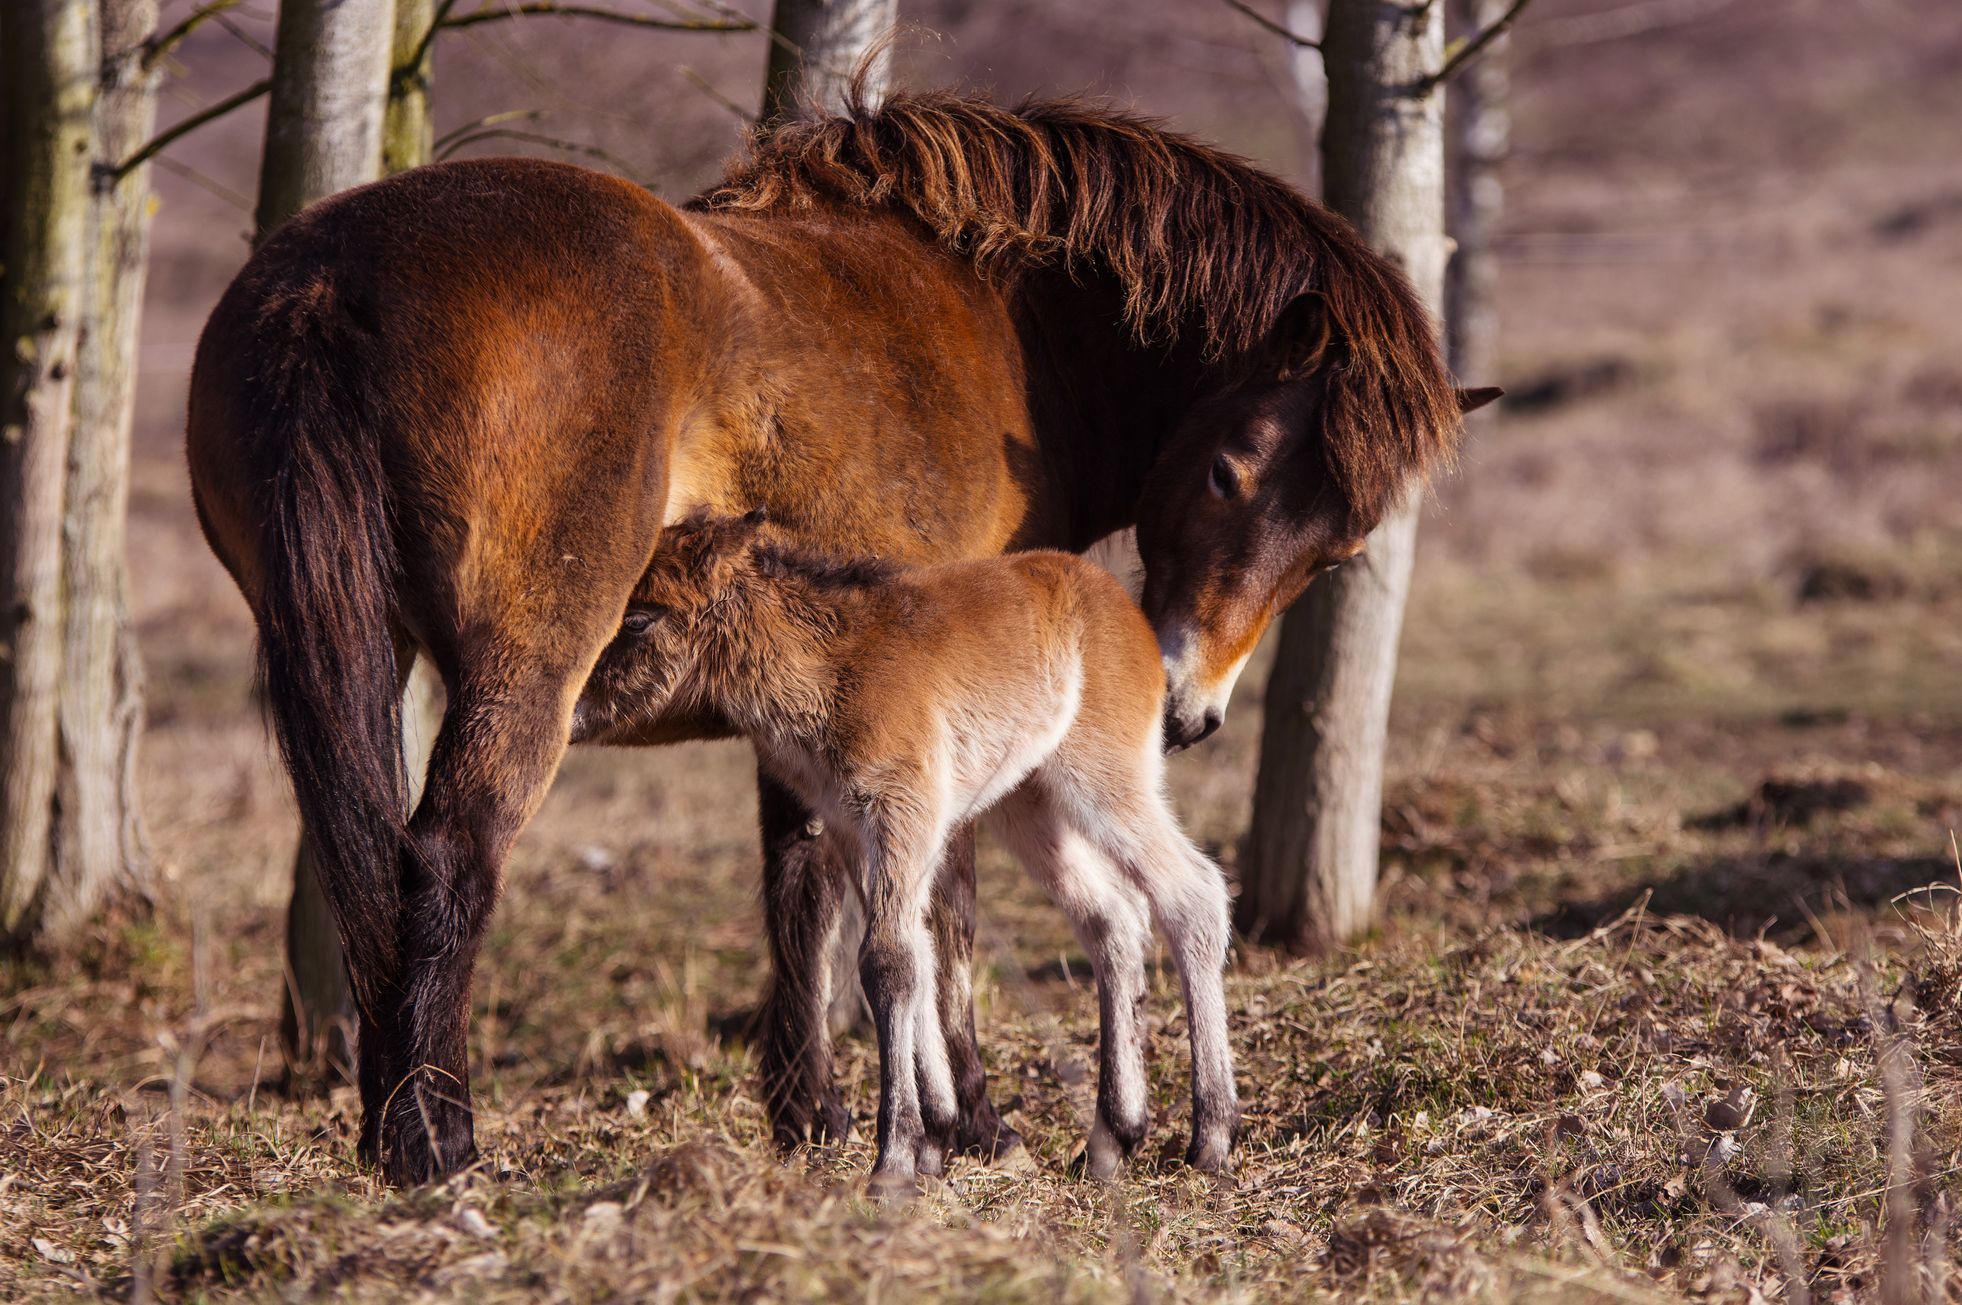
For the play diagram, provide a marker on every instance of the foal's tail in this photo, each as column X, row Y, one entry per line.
column 327, row 661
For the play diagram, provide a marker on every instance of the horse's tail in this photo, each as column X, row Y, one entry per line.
column 327, row 659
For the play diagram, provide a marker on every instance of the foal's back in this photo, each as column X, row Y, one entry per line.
column 1002, row 658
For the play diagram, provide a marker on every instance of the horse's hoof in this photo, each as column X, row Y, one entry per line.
column 988, row 1138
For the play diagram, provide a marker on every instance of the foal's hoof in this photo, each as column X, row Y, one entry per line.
column 1104, row 1155
column 824, row 1122
column 893, row 1185
column 1208, row 1155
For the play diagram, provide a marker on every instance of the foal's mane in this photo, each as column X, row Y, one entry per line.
column 1200, row 241
column 779, row 559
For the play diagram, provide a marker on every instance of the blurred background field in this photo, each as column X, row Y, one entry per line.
column 1678, row 724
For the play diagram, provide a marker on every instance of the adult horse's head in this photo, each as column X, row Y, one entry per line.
column 1283, row 466
column 1317, row 395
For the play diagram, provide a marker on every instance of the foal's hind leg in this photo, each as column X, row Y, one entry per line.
column 1189, row 899
column 979, row 1129
column 1110, row 921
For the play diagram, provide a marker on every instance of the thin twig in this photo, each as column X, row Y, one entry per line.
column 1465, row 49
column 702, row 84
column 240, row 202
column 1277, row 29
column 179, row 130
column 245, row 38
column 164, row 42
column 488, row 120
column 552, row 7
column 535, row 138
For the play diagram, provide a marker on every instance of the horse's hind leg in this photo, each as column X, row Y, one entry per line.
column 502, row 737
column 805, row 876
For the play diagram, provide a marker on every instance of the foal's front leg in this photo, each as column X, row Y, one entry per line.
column 896, row 967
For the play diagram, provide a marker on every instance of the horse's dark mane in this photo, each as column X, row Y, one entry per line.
column 1198, row 239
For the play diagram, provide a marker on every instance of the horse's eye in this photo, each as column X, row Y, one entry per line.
column 1225, row 480
column 638, row 621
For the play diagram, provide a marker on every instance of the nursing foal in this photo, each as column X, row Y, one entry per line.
column 901, row 703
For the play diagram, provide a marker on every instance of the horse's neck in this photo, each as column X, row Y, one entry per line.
column 1102, row 405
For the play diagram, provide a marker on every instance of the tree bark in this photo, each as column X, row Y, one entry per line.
column 816, row 46
column 100, row 850
column 409, row 121
column 1310, row 867
column 1482, row 138
column 329, row 94
column 50, row 54
column 331, row 62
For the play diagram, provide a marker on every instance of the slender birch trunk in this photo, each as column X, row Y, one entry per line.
column 69, row 293
column 1481, row 138
column 100, row 850
column 816, row 46
column 1310, row 868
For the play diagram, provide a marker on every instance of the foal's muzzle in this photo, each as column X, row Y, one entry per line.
column 1181, row 732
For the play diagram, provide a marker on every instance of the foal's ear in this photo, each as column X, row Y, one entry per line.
column 1302, row 336
column 756, row 516
column 1473, row 400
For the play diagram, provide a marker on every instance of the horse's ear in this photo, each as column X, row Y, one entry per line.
column 1301, row 335
column 756, row 516
column 1473, row 400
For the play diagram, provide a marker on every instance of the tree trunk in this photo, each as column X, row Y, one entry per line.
column 1481, row 138
column 100, row 851
column 50, row 68
column 1310, row 71
column 329, row 93
column 409, row 122
column 331, row 63
column 816, row 46
column 1309, row 872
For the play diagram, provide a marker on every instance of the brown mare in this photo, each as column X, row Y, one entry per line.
column 902, row 704
column 448, row 414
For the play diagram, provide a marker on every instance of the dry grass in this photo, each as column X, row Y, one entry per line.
column 1595, row 938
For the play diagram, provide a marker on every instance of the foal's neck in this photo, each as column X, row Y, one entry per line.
column 778, row 645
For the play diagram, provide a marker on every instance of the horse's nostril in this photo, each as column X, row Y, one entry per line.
column 1213, row 719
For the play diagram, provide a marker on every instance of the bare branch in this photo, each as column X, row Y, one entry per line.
column 177, row 131
column 1277, row 29
column 1623, row 20
column 1465, row 49
column 703, row 85
column 488, row 120
column 534, row 138
column 244, row 37
column 240, row 202
column 164, row 42
column 542, row 7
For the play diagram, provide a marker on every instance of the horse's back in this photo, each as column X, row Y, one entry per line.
column 498, row 330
